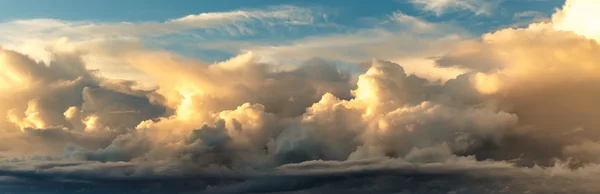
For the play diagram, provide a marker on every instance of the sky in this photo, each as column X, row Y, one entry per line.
column 272, row 37
column 328, row 17
column 329, row 96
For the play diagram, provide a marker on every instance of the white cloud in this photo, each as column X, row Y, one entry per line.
column 441, row 7
column 237, row 20
column 579, row 16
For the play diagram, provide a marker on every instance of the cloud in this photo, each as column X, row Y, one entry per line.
column 524, row 19
column 230, row 22
column 399, row 37
column 533, row 14
column 38, row 38
column 441, row 7
column 60, row 102
column 378, row 175
column 528, row 69
column 521, row 116
column 575, row 16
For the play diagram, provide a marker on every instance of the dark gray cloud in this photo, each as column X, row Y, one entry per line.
column 459, row 175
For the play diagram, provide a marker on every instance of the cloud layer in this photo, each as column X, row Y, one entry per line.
column 522, row 119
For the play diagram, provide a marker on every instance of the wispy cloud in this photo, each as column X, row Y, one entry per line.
column 233, row 22
column 441, row 7
column 522, row 19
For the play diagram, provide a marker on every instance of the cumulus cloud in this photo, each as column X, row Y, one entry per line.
column 63, row 100
column 522, row 116
column 576, row 16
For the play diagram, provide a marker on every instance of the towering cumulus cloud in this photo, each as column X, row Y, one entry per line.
column 523, row 119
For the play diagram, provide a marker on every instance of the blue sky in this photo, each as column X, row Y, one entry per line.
column 348, row 12
column 314, row 21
